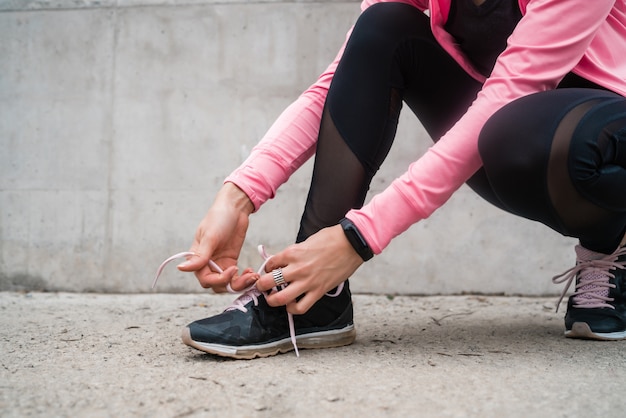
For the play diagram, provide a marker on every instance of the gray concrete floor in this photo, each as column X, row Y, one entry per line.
column 90, row 355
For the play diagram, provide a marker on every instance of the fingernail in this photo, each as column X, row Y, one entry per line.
column 184, row 264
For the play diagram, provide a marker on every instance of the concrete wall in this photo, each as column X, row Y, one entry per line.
column 120, row 118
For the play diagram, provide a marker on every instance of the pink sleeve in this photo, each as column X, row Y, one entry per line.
column 548, row 43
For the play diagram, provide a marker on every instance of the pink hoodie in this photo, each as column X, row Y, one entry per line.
column 553, row 38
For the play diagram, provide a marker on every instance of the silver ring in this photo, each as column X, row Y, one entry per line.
column 278, row 277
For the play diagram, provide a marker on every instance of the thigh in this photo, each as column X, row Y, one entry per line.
column 526, row 149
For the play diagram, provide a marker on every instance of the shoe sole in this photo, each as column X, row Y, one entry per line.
column 322, row 339
column 583, row 331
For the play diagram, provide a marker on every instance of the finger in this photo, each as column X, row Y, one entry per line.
column 245, row 280
column 203, row 250
column 267, row 281
column 300, row 307
column 212, row 279
column 281, row 259
column 286, row 295
column 194, row 263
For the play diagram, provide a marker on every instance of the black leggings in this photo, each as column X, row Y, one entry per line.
column 557, row 157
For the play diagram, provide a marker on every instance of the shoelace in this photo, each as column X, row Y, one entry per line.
column 247, row 295
column 594, row 280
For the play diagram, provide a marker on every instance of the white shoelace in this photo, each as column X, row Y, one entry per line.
column 593, row 285
column 251, row 294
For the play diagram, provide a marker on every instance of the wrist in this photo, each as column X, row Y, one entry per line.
column 233, row 196
column 356, row 239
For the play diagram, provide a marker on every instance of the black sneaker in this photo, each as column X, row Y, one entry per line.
column 597, row 309
column 251, row 328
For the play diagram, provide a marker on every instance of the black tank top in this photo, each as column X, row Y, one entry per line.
column 482, row 31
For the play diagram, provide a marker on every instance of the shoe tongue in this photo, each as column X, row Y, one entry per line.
column 244, row 298
column 584, row 254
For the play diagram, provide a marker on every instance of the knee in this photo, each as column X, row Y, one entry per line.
column 385, row 24
column 387, row 13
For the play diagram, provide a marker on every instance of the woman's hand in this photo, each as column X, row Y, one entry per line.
column 311, row 268
column 219, row 237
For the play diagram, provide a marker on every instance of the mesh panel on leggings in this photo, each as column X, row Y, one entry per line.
column 586, row 175
column 339, row 182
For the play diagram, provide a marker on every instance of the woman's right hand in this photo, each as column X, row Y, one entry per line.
column 219, row 238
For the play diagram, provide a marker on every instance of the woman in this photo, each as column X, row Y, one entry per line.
column 525, row 102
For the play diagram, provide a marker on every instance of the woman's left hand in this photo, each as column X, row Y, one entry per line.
column 311, row 269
